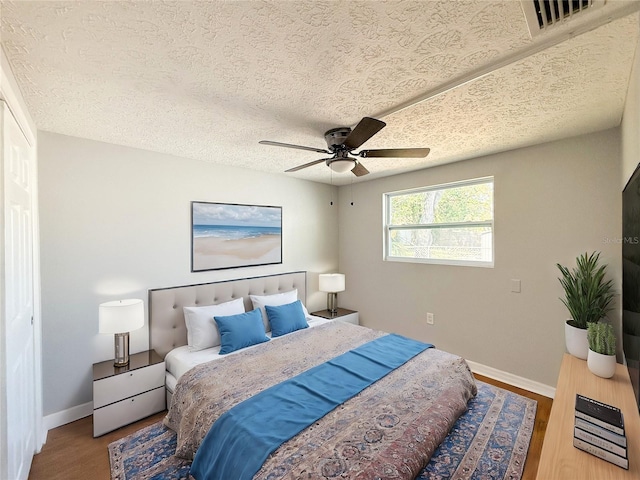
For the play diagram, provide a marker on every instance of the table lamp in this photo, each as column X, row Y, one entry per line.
column 332, row 283
column 120, row 317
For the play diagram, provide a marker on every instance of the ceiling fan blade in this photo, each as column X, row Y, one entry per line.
column 395, row 153
column 288, row 145
column 359, row 170
column 310, row 164
column 366, row 128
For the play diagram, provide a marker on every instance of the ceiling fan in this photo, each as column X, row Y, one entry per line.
column 342, row 141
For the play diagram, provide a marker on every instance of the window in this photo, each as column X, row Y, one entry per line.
column 448, row 224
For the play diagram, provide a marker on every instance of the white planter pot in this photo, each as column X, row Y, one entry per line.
column 602, row 365
column 576, row 341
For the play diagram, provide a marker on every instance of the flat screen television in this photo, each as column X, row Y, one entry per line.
column 631, row 279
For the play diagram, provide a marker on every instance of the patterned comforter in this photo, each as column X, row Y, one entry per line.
column 389, row 430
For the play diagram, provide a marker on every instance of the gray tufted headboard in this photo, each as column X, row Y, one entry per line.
column 167, row 329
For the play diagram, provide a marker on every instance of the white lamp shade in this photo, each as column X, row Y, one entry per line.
column 331, row 282
column 121, row 316
column 341, row 166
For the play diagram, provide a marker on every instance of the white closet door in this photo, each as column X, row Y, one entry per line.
column 19, row 367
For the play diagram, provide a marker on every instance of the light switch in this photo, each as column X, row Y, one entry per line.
column 515, row 285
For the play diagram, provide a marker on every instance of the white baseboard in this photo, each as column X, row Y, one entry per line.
column 509, row 378
column 67, row 416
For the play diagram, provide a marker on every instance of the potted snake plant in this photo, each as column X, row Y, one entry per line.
column 588, row 298
column 601, row 358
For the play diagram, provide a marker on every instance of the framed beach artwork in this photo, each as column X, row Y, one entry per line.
column 227, row 235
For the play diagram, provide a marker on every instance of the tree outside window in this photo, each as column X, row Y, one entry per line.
column 442, row 224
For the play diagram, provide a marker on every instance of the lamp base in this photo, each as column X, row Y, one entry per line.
column 332, row 302
column 121, row 349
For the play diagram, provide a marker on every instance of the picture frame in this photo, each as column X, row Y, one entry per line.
column 231, row 235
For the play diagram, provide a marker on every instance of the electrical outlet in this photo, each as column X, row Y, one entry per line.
column 430, row 318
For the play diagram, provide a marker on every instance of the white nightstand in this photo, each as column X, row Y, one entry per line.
column 343, row 314
column 122, row 395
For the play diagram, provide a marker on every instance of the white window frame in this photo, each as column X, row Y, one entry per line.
column 388, row 228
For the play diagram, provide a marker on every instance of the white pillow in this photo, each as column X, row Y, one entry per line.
column 259, row 301
column 202, row 331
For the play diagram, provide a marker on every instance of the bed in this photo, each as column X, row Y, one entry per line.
column 387, row 428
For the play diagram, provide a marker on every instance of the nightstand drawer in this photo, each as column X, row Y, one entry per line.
column 113, row 389
column 127, row 411
column 350, row 318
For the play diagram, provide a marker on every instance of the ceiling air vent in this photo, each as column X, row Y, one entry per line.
column 544, row 14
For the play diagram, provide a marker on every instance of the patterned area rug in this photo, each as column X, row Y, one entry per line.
column 490, row 441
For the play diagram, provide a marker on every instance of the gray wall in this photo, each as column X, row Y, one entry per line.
column 115, row 221
column 552, row 202
column 631, row 122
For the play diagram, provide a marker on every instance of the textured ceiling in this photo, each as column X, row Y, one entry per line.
column 208, row 80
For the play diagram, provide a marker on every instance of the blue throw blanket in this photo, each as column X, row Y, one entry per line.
column 240, row 440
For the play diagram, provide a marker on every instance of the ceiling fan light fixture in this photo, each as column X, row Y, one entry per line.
column 342, row 165
column 342, row 141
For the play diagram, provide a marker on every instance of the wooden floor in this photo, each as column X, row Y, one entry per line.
column 72, row 453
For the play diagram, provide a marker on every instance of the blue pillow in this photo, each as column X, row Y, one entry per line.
column 239, row 331
column 286, row 318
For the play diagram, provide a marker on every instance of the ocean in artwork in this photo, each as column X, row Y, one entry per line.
column 234, row 232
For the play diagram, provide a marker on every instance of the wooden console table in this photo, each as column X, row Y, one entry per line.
column 559, row 458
